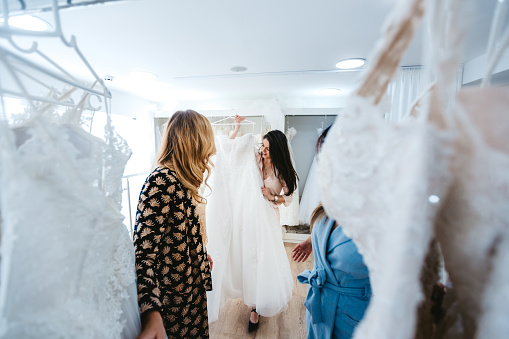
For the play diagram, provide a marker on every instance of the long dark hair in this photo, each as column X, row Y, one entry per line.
column 281, row 159
column 321, row 139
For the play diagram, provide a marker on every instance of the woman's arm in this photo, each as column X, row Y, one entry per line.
column 287, row 198
column 302, row 251
column 272, row 198
column 238, row 120
column 281, row 198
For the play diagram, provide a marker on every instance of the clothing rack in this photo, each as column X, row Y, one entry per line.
column 33, row 6
column 222, row 123
column 16, row 59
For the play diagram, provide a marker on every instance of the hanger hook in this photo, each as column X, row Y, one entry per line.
column 89, row 103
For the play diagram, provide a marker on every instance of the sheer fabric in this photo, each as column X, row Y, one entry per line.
column 244, row 234
column 67, row 259
column 403, row 90
column 289, row 215
column 311, row 195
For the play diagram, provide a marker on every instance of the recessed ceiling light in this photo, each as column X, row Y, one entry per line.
column 238, row 69
column 330, row 91
column 28, row 23
column 142, row 75
column 351, row 63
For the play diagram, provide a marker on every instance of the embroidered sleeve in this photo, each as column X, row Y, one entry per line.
column 151, row 216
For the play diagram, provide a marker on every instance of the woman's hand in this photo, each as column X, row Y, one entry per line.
column 153, row 327
column 266, row 193
column 211, row 263
column 238, row 120
column 302, row 251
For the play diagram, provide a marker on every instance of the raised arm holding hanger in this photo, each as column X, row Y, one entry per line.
column 275, row 166
column 238, row 120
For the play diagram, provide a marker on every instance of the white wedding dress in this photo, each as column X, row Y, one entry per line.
column 67, row 261
column 383, row 184
column 392, row 187
column 244, row 235
column 289, row 216
column 310, row 196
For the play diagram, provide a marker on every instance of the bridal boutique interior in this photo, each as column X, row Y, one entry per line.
column 99, row 80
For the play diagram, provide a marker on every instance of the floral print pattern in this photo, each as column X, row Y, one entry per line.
column 171, row 262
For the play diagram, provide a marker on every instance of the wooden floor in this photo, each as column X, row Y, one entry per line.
column 291, row 324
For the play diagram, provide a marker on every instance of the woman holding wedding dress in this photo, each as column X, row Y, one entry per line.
column 245, row 237
column 279, row 179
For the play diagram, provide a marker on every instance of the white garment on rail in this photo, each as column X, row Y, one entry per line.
column 67, row 259
column 244, row 234
column 310, row 196
column 289, row 216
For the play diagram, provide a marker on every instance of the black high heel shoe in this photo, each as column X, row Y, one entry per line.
column 253, row 326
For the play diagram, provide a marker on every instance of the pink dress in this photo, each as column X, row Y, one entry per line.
column 274, row 185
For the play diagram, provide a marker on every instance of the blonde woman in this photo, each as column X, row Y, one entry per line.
column 171, row 262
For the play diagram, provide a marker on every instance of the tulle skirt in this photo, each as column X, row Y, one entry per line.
column 245, row 238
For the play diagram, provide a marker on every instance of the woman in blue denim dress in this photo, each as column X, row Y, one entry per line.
column 339, row 286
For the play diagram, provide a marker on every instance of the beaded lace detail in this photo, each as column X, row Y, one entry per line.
column 67, row 259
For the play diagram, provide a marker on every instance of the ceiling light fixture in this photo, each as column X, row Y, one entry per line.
column 330, row 91
column 238, row 69
column 28, row 23
column 142, row 75
column 351, row 63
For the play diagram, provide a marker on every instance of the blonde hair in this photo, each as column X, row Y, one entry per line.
column 318, row 214
column 187, row 146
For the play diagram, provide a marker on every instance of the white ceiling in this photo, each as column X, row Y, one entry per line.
column 289, row 47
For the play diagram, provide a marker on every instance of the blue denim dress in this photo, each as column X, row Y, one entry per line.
column 339, row 288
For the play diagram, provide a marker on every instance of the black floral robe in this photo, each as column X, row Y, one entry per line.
column 171, row 262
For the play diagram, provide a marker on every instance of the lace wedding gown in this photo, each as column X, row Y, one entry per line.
column 383, row 184
column 393, row 187
column 67, row 261
column 244, row 235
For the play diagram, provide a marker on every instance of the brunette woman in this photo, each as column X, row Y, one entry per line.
column 279, row 183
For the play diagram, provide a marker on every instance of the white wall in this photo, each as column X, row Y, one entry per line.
column 475, row 70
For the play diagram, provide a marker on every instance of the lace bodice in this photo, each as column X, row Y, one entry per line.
column 382, row 183
column 67, row 260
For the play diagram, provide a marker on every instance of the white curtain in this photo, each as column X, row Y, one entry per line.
column 407, row 85
column 405, row 88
